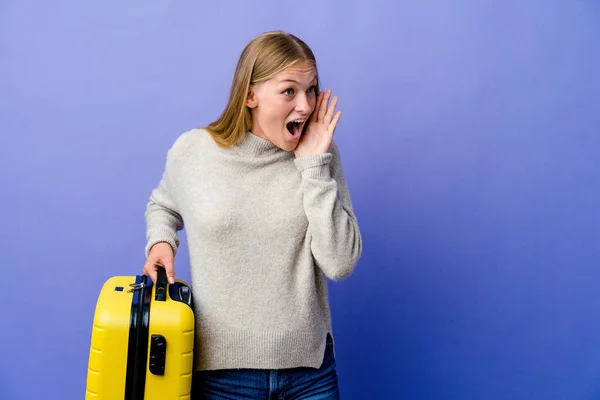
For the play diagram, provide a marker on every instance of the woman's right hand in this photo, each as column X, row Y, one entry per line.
column 160, row 255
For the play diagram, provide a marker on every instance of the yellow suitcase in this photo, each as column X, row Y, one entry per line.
column 142, row 340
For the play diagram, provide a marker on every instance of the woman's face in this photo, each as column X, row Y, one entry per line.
column 281, row 105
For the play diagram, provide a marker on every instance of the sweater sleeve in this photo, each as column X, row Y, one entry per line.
column 163, row 219
column 336, row 241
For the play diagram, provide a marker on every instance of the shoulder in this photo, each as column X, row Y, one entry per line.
column 190, row 144
column 336, row 161
column 333, row 149
column 192, row 138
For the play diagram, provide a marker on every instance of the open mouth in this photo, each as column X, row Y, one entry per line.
column 295, row 127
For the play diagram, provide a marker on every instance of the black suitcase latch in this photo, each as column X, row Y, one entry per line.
column 158, row 353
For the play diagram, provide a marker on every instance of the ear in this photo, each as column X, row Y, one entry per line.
column 251, row 100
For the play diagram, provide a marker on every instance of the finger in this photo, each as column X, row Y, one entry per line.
column 318, row 107
column 170, row 270
column 323, row 105
column 333, row 124
column 329, row 115
column 150, row 270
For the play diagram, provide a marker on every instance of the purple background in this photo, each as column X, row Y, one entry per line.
column 471, row 145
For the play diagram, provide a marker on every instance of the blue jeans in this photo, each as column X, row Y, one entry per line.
column 282, row 384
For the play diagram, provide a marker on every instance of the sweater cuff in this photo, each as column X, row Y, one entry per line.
column 161, row 235
column 315, row 165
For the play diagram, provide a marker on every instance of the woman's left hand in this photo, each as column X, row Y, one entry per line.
column 318, row 135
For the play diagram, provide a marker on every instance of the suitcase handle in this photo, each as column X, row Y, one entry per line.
column 161, row 284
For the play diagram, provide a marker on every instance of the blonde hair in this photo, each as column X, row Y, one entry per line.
column 264, row 57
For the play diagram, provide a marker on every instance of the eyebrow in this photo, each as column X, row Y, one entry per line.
column 296, row 82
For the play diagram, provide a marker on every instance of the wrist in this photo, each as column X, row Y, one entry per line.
column 314, row 165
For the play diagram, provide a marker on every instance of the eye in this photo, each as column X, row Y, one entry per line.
column 288, row 92
column 312, row 89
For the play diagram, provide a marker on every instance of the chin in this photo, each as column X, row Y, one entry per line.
column 285, row 144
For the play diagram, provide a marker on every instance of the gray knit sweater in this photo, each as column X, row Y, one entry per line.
column 265, row 230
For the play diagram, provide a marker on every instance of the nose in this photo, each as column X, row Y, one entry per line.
column 303, row 104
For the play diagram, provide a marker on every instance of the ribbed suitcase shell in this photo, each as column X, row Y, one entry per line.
column 134, row 321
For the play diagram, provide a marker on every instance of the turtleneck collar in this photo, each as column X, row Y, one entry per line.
column 255, row 146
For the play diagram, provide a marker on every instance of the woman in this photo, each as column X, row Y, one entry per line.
column 268, row 219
